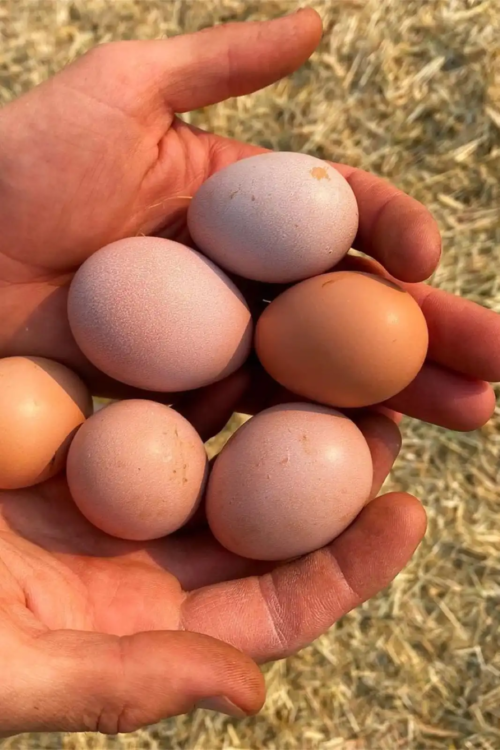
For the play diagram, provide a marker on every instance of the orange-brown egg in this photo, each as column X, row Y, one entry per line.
column 42, row 404
column 345, row 339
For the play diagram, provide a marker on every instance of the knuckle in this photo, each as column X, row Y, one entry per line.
column 281, row 639
column 114, row 714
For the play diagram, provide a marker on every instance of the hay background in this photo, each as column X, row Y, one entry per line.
column 411, row 90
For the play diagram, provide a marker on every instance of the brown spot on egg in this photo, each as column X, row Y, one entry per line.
column 330, row 281
column 319, row 173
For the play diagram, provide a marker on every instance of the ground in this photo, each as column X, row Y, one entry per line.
column 409, row 89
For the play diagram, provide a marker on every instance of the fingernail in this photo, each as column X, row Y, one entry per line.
column 222, row 705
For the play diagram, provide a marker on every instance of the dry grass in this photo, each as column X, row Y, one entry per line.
column 409, row 89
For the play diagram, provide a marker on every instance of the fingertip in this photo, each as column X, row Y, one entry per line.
column 313, row 18
column 386, row 533
column 377, row 426
column 210, row 408
column 306, row 29
column 394, row 228
column 394, row 416
column 394, row 525
column 407, row 240
column 408, row 515
column 485, row 407
column 405, row 515
column 445, row 398
column 384, row 440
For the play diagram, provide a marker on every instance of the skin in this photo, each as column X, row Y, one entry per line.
column 99, row 634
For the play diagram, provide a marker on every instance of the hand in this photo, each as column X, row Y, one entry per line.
column 99, row 634
column 88, row 624
column 97, row 153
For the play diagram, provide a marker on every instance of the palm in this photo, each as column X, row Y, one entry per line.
column 81, row 578
column 68, row 575
column 146, row 204
column 98, row 615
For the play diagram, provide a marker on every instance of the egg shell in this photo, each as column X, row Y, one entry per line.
column 276, row 217
column 137, row 470
column 157, row 315
column 42, row 404
column 344, row 339
column 289, row 481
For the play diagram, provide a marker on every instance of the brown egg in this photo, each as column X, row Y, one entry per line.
column 137, row 470
column 344, row 339
column 42, row 404
column 288, row 481
column 157, row 315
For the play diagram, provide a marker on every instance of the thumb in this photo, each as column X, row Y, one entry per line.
column 191, row 71
column 77, row 681
column 238, row 58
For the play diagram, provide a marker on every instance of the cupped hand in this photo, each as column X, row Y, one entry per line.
column 101, row 634
column 98, row 634
column 97, row 153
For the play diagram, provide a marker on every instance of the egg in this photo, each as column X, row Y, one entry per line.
column 157, row 315
column 276, row 217
column 42, row 404
column 344, row 339
column 137, row 470
column 289, row 481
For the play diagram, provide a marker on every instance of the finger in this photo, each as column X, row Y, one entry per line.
column 394, row 228
column 394, row 416
column 447, row 399
column 272, row 616
column 191, row 71
column 384, row 440
column 209, row 409
column 437, row 395
column 80, row 681
column 263, row 392
column 463, row 336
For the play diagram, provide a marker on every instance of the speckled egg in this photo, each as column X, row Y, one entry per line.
column 42, row 404
column 289, row 481
column 137, row 470
column 158, row 315
column 276, row 217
